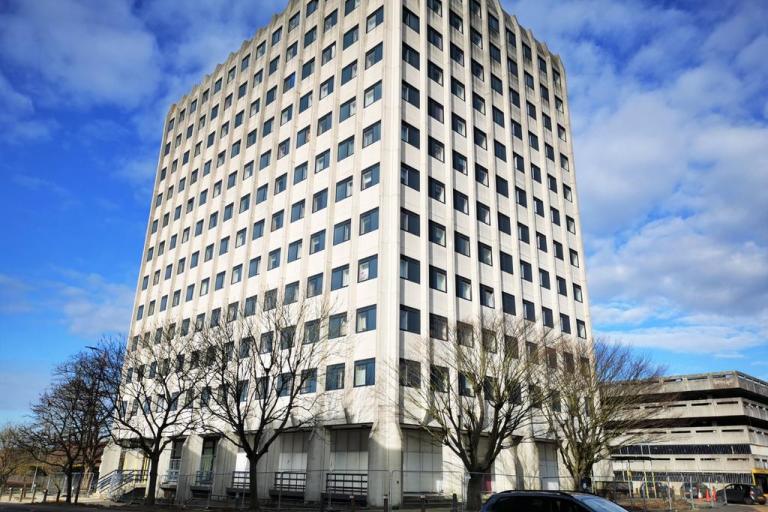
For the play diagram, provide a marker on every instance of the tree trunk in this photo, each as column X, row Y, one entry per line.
column 69, row 486
column 253, row 484
column 77, row 489
column 474, row 491
column 154, row 461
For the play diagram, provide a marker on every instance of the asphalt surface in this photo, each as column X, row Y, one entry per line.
column 63, row 507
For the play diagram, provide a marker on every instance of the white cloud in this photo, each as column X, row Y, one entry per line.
column 84, row 55
column 92, row 305
column 669, row 109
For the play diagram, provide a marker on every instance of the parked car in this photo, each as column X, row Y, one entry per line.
column 742, row 493
column 613, row 490
column 693, row 490
column 655, row 490
column 546, row 501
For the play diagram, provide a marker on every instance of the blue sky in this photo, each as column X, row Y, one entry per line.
column 670, row 112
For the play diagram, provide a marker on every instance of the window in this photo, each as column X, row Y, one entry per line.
column 570, row 224
column 310, row 36
column 435, row 38
column 410, row 373
column 411, row 56
column 529, row 313
column 409, row 221
column 459, row 126
column 436, row 190
column 486, row 296
column 317, row 242
column 294, row 251
column 435, row 72
column 328, row 54
column 348, row 72
column 350, row 37
column 457, row 54
column 291, row 294
column 435, row 110
column 436, row 149
column 526, row 271
column 577, row 294
column 369, row 221
column 410, row 94
column 374, row 19
column 372, row 94
column 485, row 253
column 541, row 242
column 459, row 162
column 365, row 319
column 409, row 176
column 372, row 134
column 324, row 123
column 461, row 243
column 574, row 258
column 523, row 233
column 374, row 55
column 460, row 202
column 483, row 213
column 346, row 148
column 365, row 373
column 314, row 285
column 347, row 110
column 340, row 277
column 322, row 161
column 369, row 177
column 342, row 232
column 326, row 88
column 436, row 233
column 463, row 288
column 565, row 323
column 334, row 377
column 410, row 319
column 410, row 269
column 438, row 279
column 544, row 279
column 337, row 326
column 508, row 303
column 410, row 19
column 410, row 134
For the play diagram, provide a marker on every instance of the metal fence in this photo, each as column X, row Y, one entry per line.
column 40, row 487
column 284, row 490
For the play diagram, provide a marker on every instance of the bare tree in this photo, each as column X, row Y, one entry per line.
column 481, row 391
column 11, row 456
column 595, row 396
column 261, row 375
column 152, row 403
column 53, row 436
column 90, row 375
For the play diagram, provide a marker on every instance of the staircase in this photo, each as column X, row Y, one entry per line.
column 120, row 485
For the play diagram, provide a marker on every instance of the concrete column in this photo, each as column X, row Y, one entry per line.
column 318, row 461
column 527, row 465
column 385, row 459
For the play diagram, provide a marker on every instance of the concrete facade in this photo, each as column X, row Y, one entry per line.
column 716, row 430
column 453, row 130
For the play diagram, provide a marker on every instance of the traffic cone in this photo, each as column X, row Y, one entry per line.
column 707, row 497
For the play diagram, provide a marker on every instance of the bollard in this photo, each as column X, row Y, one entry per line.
column 423, row 503
column 386, row 503
column 454, row 503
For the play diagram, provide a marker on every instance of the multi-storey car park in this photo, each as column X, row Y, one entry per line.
column 715, row 431
column 346, row 139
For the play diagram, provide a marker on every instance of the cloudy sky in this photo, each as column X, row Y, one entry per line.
column 669, row 105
